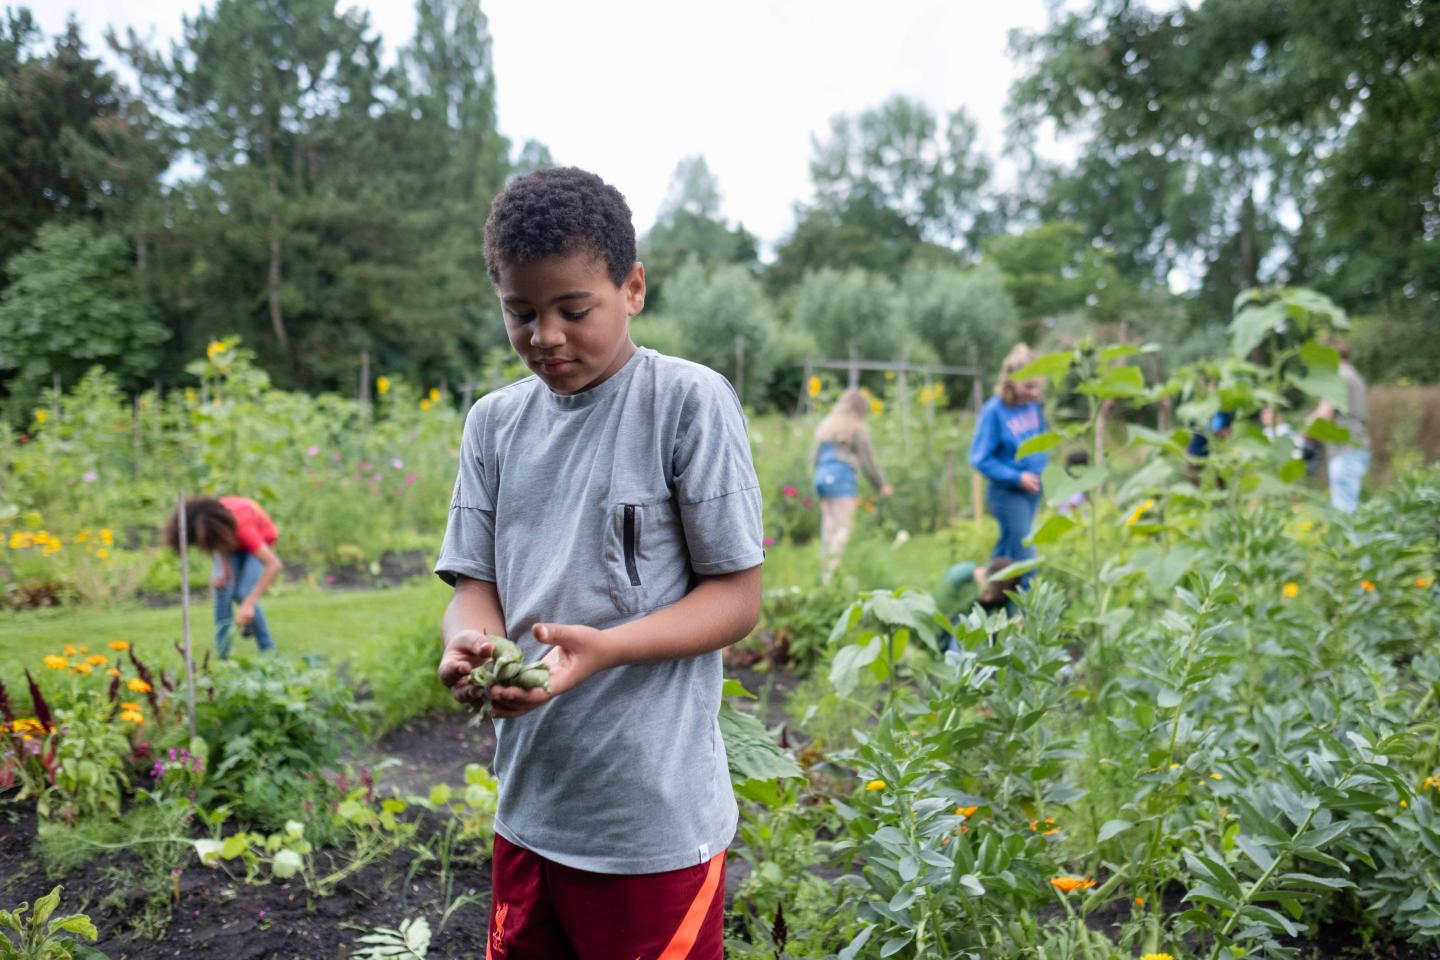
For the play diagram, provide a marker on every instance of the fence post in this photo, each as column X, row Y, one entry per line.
column 364, row 393
column 185, row 610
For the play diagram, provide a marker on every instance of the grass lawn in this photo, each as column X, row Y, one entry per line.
column 336, row 625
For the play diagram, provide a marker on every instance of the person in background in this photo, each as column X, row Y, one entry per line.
column 842, row 446
column 240, row 536
column 968, row 585
column 1347, row 463
column 1007, row 420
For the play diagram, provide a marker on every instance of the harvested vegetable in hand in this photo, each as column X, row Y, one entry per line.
column 507, row 668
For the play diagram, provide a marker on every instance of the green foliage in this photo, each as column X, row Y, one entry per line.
column 851, row 314
column 42, row 936
column 721, row 318
column 72, row 302
column 964, row 316
column 411, row 941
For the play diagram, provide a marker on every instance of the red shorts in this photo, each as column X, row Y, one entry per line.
column 541, row 910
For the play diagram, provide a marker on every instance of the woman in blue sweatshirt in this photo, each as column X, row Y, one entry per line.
column 1007, row 420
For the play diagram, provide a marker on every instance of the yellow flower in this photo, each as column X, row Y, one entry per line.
column 1367, row 586
column 102, row 553
column 56, row 663
column 119, row 645
column 434, row 395
column 1157, row 956
column 875, row 785
column 1140, row 902
column 107, row 536
column 1138, row 512
column 877, row 407
column 69, row 649
column 191, row 396
column 138, row 685
column 382, row 385
column 127, row 705
column 214, row 349
column 966, row 812
column 1071, row 884
column 889, row 374
column 95, row 659
column 812, row 386
column 1291, row 590
column 424, row 403
column 1050, row 830
column 1430, row 782
column 1404, row 804
column 83, row 535
column 113, row 672
column 82, row 667
column 41, row 415
column 1217, row 776
column 132, row 716
column 1423, row 583
column 1306, row 526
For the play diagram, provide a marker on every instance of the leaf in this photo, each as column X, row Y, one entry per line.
column 1118, row 382
column 750, row 749
column 1252, row 324
column 440, row 794
column 1116, row 351
column 853, row 948
column 734, row 688
column 1327, row 432
column 1257, row 853
column 1054, row 527
column 846, row 667
column 1052, row 365
column 895, row 944
column 234, row 845
column 909, row 868
column 44, row 907
column 209, row 851
column 1324, row 384
column 1292, row 471
column 1038, row 444
column 286, row 864
column 76, row 923
column 1316, row 354
column 1112, row 828
column 971, row 884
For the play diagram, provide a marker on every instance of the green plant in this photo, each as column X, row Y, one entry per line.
column 44, row 938
column 411, row 941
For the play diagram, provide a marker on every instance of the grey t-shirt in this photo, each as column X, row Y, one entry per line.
column 1356, row 419
column 599, row 508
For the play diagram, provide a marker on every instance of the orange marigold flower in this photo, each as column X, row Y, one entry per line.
column 132, row 716
column 1071, row 884
column 1424, row 582
column 966, row 812
column 1139, row 901
column 69, row 649
column 127, row 705
column 138, row 685
column 56, row 663
column 96, row 659
column 1367, row 586
column 82, row 667
column 113, row 672
column 119, row 645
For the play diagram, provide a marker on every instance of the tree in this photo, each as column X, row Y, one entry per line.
column 964, row 316
column 689, row 228
column 852, row 314
column 72, row 302
column 1054, row 269
column 723, row 319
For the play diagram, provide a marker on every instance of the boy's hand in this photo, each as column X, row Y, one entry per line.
column 246, row 614
column 467, row 651
column 579, row 652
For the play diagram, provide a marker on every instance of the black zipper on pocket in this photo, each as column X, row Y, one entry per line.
column 630, row 566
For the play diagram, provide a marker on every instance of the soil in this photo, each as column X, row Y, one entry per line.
column 217, row 916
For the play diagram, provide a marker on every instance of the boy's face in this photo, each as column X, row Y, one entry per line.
column 568, row 320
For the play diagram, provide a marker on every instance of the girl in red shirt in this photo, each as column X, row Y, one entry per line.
column 238, row 533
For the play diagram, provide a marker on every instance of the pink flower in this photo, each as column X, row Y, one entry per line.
column 329, row 578
column 335, row 456
column 807, row 502
column 397, row 463
column 768, row 542
column 411, row 478
column 312, row 452
column 90, row 476
column 364, row 465
column 378, row 476
column 789, row 491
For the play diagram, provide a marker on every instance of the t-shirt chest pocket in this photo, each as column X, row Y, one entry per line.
column 640, row 550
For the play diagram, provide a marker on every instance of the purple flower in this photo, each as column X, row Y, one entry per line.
column 172, row 753
column 313, row 451
column 90, row 476
column 397, row 463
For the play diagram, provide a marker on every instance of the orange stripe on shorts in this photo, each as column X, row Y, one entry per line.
column 689, row 929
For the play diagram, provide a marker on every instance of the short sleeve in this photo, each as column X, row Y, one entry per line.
column 469, row 546
column 716, row 490
column 264, row 526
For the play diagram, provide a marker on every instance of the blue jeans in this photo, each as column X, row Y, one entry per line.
column 1014, row 510
column 1347, row 469
column 245, row 570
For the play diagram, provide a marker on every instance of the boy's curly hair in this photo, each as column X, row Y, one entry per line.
column 559, row 210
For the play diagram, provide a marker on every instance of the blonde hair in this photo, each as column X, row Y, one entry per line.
column 1019, row 356
column 843, row 423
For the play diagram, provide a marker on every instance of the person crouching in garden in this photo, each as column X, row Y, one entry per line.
column 1007, row 420
column 842, row 446
column 238, row 533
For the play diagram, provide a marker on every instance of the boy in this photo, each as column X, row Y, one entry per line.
column 606, row 518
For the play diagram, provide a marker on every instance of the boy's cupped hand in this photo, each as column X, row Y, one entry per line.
column 577, row 652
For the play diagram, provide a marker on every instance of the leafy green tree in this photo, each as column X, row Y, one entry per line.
column 1054, row 269
column 962, row 315
column 72, row 302
column 689, row 227
column 852, row 313
column 723, row 319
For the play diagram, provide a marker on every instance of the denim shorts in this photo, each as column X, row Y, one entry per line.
column 836, row 479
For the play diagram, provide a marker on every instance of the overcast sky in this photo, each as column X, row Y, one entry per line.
column 627, row 89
